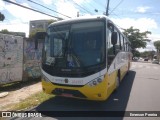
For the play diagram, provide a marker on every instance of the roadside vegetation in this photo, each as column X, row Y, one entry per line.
column 31, row 101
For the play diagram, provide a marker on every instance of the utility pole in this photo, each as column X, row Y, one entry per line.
column 107, row 14
column 77, row 14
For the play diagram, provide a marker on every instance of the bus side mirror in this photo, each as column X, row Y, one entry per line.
column 114, row 38
column 39, row 36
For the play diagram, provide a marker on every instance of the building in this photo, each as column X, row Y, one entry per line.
column 38, row 25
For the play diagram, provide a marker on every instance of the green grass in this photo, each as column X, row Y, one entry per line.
column 31, row 101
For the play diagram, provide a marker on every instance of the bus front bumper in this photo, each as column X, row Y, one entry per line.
column 98, row 92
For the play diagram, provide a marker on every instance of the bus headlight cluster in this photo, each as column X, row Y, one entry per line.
column 45, row 78
column 95, row 81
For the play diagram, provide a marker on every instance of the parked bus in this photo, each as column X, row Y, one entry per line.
column 84, row 58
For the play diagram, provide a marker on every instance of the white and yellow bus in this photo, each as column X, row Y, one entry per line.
column 84, row 58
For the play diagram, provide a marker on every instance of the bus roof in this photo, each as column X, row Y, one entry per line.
column 80, row 19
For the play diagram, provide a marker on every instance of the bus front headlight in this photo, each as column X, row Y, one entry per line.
column 95, row 81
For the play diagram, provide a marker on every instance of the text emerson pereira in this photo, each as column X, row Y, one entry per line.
column 143, row 114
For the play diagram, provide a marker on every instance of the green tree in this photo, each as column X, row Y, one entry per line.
column 5, row 31
column 137, row 38
column 136, row 54
column 157, row 45
column 148, row 54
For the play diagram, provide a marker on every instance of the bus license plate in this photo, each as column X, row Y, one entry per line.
column 67, row 95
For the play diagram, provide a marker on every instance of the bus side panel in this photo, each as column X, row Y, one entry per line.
column 111, row 82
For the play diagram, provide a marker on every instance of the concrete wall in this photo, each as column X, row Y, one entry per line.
column 32, row 59
column 11, row 58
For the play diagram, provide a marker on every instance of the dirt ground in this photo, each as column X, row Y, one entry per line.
column 16, row 94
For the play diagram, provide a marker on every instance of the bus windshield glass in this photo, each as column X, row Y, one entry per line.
column 77, row 45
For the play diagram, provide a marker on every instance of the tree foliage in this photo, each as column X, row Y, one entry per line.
column 2, row 17
column 5, row 31
column 157, row 45
column 137, row 38
column 148, row 54
column 136, row 53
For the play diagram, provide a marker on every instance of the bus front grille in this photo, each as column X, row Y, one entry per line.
column 74, row 93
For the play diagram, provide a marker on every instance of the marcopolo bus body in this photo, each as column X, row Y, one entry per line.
column 84, row 58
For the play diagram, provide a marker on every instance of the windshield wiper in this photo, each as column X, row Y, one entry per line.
column 77, row 59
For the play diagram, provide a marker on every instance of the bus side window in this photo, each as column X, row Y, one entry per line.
column 118, row 45
column 110, row 55
column 122, row 43
column 110, row 46
column 128, row 47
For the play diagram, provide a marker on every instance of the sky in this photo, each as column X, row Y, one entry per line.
column 141, row 14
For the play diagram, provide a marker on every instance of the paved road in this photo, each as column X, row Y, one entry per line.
column 139, row 91
column 145, row 90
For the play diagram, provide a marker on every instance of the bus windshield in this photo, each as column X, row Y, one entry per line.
column 78, row 45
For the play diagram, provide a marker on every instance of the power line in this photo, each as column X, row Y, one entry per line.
column 80, row 6
column 90, row 4
column 48, row 8
column 116, row 6
column 92, row 7
column 31, row 9
column 100, row 4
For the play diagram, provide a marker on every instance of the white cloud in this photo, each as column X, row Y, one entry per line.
column 24, row 14
column 142, row 9
column 2, row 5
column 16, row 26
column 69, row 8
column 48, row 2
column 66, row 8
column 154, row 37
column 149, row 47
column 143, row 24
column 81, row 1
column 22, row 18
